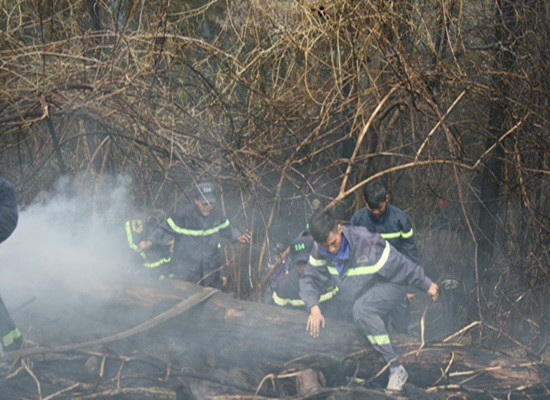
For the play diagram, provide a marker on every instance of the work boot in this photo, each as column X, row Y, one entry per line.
column 398, row 377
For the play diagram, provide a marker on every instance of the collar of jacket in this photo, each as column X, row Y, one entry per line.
column 341, row 259
column 383, row 218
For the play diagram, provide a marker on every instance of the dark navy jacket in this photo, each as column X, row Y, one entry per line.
column 157, row 257
column 8, row 209
column 394, row 226
column 197, row 239
column 371, row 260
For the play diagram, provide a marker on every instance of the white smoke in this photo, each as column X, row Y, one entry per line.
column 68, row 244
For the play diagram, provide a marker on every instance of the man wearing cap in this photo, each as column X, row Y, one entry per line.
column 287, row 291
column 197, row 230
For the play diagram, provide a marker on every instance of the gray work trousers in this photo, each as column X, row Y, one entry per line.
column 372, row 310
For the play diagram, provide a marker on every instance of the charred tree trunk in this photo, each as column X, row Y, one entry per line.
column 505, row 31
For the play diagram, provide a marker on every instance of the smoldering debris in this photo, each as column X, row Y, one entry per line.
column 223, row 348
column 69, row 278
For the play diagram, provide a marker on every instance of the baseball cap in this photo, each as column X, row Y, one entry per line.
column 206, row 192
column 300, row 248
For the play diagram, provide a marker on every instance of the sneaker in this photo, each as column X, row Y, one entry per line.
column 398, row 377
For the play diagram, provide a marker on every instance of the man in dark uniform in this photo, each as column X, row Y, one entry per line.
column 394, row 225
column 9, row 334
column 287, row 290
column 156, row 260
column 371, row 277
column 197, row 230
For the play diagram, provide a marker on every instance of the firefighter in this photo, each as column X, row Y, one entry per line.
column 156, row 260
column 198, row 231
column 394, row 225
column 10, row 335
column 287, row 289
column 371, row 277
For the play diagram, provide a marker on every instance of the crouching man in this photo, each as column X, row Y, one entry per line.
column 371, row 276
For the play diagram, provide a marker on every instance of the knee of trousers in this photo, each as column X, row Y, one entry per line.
column 364, row 311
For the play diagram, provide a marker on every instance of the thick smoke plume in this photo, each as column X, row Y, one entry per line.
column 68, row 246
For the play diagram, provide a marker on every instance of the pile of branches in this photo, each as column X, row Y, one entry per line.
column 181, row 341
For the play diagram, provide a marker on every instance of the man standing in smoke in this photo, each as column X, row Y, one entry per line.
column 197, row 231
column 10, row 335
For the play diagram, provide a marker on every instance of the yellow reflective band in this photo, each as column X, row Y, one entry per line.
column 380, row 340
column 390, row 235
column 371, row 269
column 407, row 235
column 287, row 302
column 297, row 303
column 366, row 269
column 197, row 232
column 130, row 238
column 328, row 295
column 393, row 235
column 10, row 337
column 316, row 262
column 156, row 263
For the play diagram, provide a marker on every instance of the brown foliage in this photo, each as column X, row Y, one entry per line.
column 290, row 104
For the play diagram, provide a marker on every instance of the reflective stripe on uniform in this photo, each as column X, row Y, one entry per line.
column 156, row 263
column 297, row 303
column 379, row 339
column 316, row 262
column 407, row 235
column 131, row 243
column 10, row 337
column 366, row 269
column 287, row 302
column 328, row 295
column 197, row 232
column 394, row 235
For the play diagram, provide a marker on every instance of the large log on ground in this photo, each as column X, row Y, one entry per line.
column 243, row 332
column 172, row 318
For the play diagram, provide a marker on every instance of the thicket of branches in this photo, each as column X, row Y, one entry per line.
column 293, row 105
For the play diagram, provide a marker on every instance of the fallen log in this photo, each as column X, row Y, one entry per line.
column 273, row 340
column 238, row 331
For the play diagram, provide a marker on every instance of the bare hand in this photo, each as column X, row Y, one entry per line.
column 433, row 291
column 315, row 321
column 410, row 297
column 245, row 237
column 224, row 280
column 144, row 245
